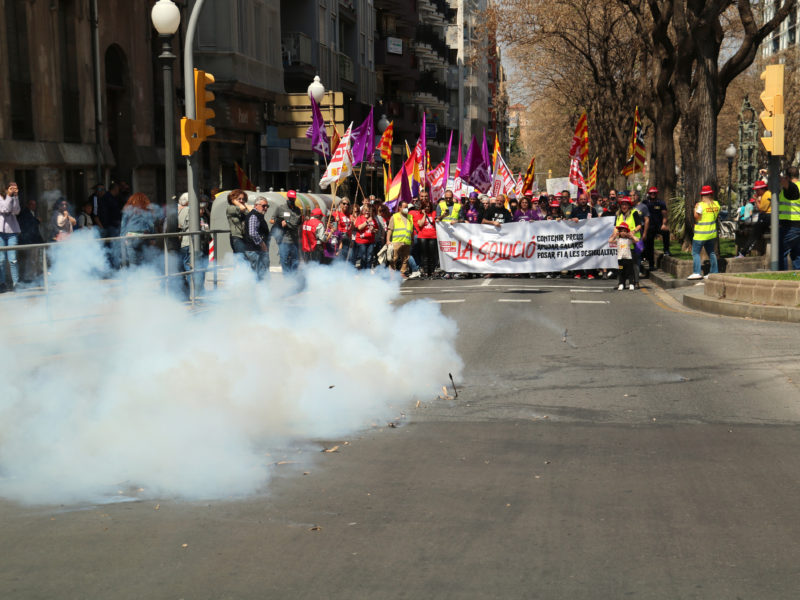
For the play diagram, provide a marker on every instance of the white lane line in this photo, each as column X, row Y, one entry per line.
column 448, row 301
column 590, row 301
column 513, row 300
column 585, row 291
column 486, row 282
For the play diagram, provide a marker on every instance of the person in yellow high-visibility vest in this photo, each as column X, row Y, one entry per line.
column 400, row 234
column 706, row 213
column 789, row 220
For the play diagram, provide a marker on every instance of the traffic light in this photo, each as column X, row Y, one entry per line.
column 195, row 131
column 772, row 117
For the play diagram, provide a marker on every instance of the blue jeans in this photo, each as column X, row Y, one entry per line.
column 363, row 253
column 199, row 276
column 9, row 240
column 789, row 245
column 259, row 262
column 710, row 246
column 289, row 255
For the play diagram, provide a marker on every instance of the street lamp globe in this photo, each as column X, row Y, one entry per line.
column 166, row 17
column 383, row 123
column 730, row 152
column 316, row 90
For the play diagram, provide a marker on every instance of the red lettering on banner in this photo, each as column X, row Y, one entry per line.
column 492, row 251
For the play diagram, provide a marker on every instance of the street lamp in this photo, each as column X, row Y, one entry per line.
column 316, row 91
column 166, row 17
column 730, row 154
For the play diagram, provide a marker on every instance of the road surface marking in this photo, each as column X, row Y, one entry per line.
column 589, row 301
column 585, row 291
column 448, row 301
column 513, row 300
column 486, row 282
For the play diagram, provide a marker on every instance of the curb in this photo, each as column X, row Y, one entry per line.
column 668, row 282
column 744, row 310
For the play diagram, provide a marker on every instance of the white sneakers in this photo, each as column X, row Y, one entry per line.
column 414, row 275
column 694, row 276
column 631, row 288
column 620, row 287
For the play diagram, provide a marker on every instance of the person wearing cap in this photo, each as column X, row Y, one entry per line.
column 658, row 225
column 635, row 223
column 762, row 209
column 706, row 213
column 400, row 235
column 474, row 209
column 313, row 235
column 554, row 212
column 287, row 218
column 789, row 220
column 625, row 240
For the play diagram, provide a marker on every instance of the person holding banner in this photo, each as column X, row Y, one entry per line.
column 633, row 219
column 474, row 211
column 449, row 211
column 425, row 229
column 525, row 212
column 555, row 210
column 496, row 214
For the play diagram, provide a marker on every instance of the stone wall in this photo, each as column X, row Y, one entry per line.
column 754, row 291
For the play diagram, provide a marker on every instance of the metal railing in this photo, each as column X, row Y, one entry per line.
column 168, row 274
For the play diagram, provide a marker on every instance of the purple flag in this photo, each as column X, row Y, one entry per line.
column 405, row 189
column 447, row 162
column 476, row 169
column 363, row 138
column 316, row 132
column 485, row 149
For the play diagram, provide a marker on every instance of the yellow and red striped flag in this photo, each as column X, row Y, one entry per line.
column 636, row 148
column 385, row 145
column 243, row 179
column 580, row 141
column 592, row 183
column 496, row 149
column 530, row 176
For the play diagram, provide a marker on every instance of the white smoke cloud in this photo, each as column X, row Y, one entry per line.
column 113, row 383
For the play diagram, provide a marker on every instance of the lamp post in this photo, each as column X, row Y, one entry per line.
column 166, row 17
column 730, row 154
column 316, row 91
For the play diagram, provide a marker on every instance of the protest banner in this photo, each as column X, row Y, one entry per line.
column 532, row 247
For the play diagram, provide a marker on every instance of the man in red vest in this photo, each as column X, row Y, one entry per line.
column 312, row 237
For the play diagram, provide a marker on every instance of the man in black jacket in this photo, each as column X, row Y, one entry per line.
column 255, row 235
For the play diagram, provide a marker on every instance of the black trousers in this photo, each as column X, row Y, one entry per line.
column 627, row 271
column 429, row 255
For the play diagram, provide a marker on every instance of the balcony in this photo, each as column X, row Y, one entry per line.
column 346, row 71
column 432, row 37
column 296, row 49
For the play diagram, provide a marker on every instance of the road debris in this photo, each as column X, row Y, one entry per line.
column 329, row 450
column 156, row 507
column 455, row 391
column 316, row 528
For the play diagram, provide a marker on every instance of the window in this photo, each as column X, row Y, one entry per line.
column 70, row 95
column 19, row 71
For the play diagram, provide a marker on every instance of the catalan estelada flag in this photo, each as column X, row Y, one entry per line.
column 592, row 183
column 530, row 177
column 496, row 149
column 243, row 179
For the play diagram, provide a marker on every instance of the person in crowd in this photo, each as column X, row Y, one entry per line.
column 62, row 222
column 657, row 226
column 744, row 217
column 485, row 203
column 763, row 208
column 555, row 210
column 109, row 219
column 582, row 211
column 364, row 230
column 624, row 240
column 613, row 207
column 313, row 236
column 473, row 212
column 635, row 224
column 566, row 204
column 382, row 216
column 236, row 212
column 400, row 234
column 288, row 218
column 139, row 217
column 9, row 233
column 344, row 229
column 513, row 204
column 186, row 245
column 525, row 212
column 706, row 213
column 330, row 243
column 497, row 214
column 86, row 218
column 642, row 209
column 30, row 232
column 425, row 229
column 789, row 220
column 256, row 238
column 541, row 208
column 448, row 210
column 96, row 198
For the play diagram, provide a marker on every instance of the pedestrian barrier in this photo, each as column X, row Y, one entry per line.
column 167, row 253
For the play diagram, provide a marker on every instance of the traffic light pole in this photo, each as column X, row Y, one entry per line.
column 191, row 160
column 774, row 183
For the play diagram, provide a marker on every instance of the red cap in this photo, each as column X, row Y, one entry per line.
column 529, row 193
column 653, row 190
column 706, row 191
column 623, row 226
column 317, row 212
column 752, row 200
column 291, row 194
column 625, row 199
column 555, row 203
column 760, row 185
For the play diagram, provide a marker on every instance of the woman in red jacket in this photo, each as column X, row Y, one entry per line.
column 364, row 230
column 425, row 227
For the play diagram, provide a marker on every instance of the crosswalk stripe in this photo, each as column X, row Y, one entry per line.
column 590, row 301
column 513, row 300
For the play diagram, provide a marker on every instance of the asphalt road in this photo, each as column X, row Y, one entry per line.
column 603, row 444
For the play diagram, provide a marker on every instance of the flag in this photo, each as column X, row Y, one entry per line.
column 575, row 175
column 580, row 140
column 363, row 138
column 476, row 167
column 496, row 149
column 408, row 170
column 447, row 163
column 335, row 139
column 518, row 186
column 530, row 177
column 457, row 175
column 408, row 150
column 485, row 150
column 503, row 180
column 405, row 191
column 592, row 183
column 437, row 180
column 385, row 145
column 636, row 148
column 243, row 179
column 341, row 165
column 387, row 180
column 316, row 132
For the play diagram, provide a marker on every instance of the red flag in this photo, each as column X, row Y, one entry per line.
column 243, row 179
column 530, row 176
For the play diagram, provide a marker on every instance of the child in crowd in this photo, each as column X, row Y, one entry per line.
column 624, row 241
